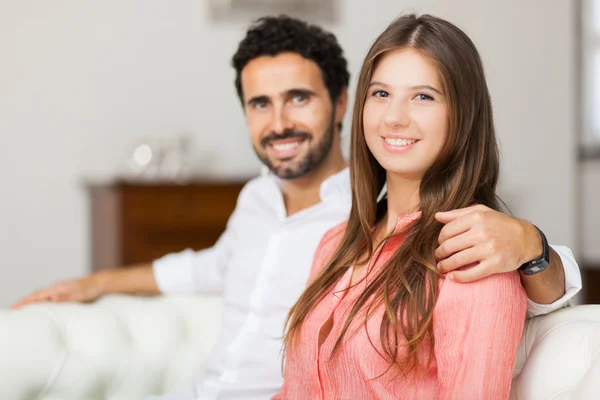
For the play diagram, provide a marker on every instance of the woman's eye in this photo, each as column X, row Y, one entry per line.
column 423, row 97
column 380, row 93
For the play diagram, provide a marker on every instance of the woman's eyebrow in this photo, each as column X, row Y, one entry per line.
column 420, row 87
column 417, row 87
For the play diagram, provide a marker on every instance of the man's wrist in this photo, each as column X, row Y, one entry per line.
column 534, row 247
column 101, row 281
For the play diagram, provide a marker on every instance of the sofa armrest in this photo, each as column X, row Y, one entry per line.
column 118, row 348
column 559, row 356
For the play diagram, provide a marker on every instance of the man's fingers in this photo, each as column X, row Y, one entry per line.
column 19, row 304
column 448, row 216
column 471, row 274
column 454, row 244
column 462, row 259
column 462, row 224
column 33, row 298
column 37, row 297
column 454, row 228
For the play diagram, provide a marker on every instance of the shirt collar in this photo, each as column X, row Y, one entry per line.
column 336, row 185
column 405, row 221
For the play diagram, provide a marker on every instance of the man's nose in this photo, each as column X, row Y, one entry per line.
column 281, row 122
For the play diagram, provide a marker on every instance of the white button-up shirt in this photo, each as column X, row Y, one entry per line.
column 261, row 264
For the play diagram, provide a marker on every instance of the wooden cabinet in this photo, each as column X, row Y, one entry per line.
column 590, row 275
column 136, row 223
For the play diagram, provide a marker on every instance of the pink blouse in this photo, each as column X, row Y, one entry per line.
column 477, row 327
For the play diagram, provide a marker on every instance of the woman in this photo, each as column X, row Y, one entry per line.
column 377, row 319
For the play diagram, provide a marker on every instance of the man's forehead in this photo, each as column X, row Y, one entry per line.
column 269, row 76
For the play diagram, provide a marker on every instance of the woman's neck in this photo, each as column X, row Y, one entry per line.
column 402, row 198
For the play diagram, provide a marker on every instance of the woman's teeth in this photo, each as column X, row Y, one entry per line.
column 400, row 142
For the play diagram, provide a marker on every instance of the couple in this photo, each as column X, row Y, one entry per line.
column 419, row 284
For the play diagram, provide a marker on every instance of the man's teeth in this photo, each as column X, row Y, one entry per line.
column 286, row 146
column 400, row 142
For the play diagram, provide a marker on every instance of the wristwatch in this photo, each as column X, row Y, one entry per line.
column 539, row 264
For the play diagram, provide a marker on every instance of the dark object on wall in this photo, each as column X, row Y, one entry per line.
column 247, row 10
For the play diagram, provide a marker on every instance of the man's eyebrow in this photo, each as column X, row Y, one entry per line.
column 257, row 99
column 287, row 93
column 302, row 91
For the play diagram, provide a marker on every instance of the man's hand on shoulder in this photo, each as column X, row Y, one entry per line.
column 477, row 241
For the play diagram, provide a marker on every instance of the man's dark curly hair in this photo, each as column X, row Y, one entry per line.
column 270, row 36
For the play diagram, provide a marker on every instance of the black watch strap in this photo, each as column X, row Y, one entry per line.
column 539, row 264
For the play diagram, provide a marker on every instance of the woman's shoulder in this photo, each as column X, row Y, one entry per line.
column 485, row 292
column 334, row 234
column 331, row 240
column 327, row 247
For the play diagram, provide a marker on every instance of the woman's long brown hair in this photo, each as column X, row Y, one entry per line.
column 465, row 172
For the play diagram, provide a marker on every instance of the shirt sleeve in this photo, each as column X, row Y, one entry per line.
column 477, row 328
column 572, row 284
column 201, row 271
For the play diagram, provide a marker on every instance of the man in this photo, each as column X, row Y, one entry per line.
column 292, row 80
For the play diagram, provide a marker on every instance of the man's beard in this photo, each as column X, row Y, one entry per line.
column 315, row 156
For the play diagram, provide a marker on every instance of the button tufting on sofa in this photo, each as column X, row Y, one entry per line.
column 126, row 347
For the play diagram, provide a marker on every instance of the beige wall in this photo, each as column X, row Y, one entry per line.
column 82, row 79
column 590, row 206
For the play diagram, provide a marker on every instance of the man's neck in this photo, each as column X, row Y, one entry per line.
column 304, row 192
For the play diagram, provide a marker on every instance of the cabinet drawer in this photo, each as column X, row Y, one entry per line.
column 185, row 206
column 145, row 245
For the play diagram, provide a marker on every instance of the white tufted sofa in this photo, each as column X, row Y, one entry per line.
column 125, row 347
column 119, row 348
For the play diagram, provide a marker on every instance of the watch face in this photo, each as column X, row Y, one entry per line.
column 535, row 267
column 541, row 264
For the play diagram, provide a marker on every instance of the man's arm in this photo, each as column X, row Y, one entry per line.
column 547, row 286
column 184, row 272
column 133, row 280
column 138, row 279
column 482, row 242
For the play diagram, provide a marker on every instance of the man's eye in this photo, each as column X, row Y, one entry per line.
column 259, row 105
column 300, row 98
column 424, row 97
